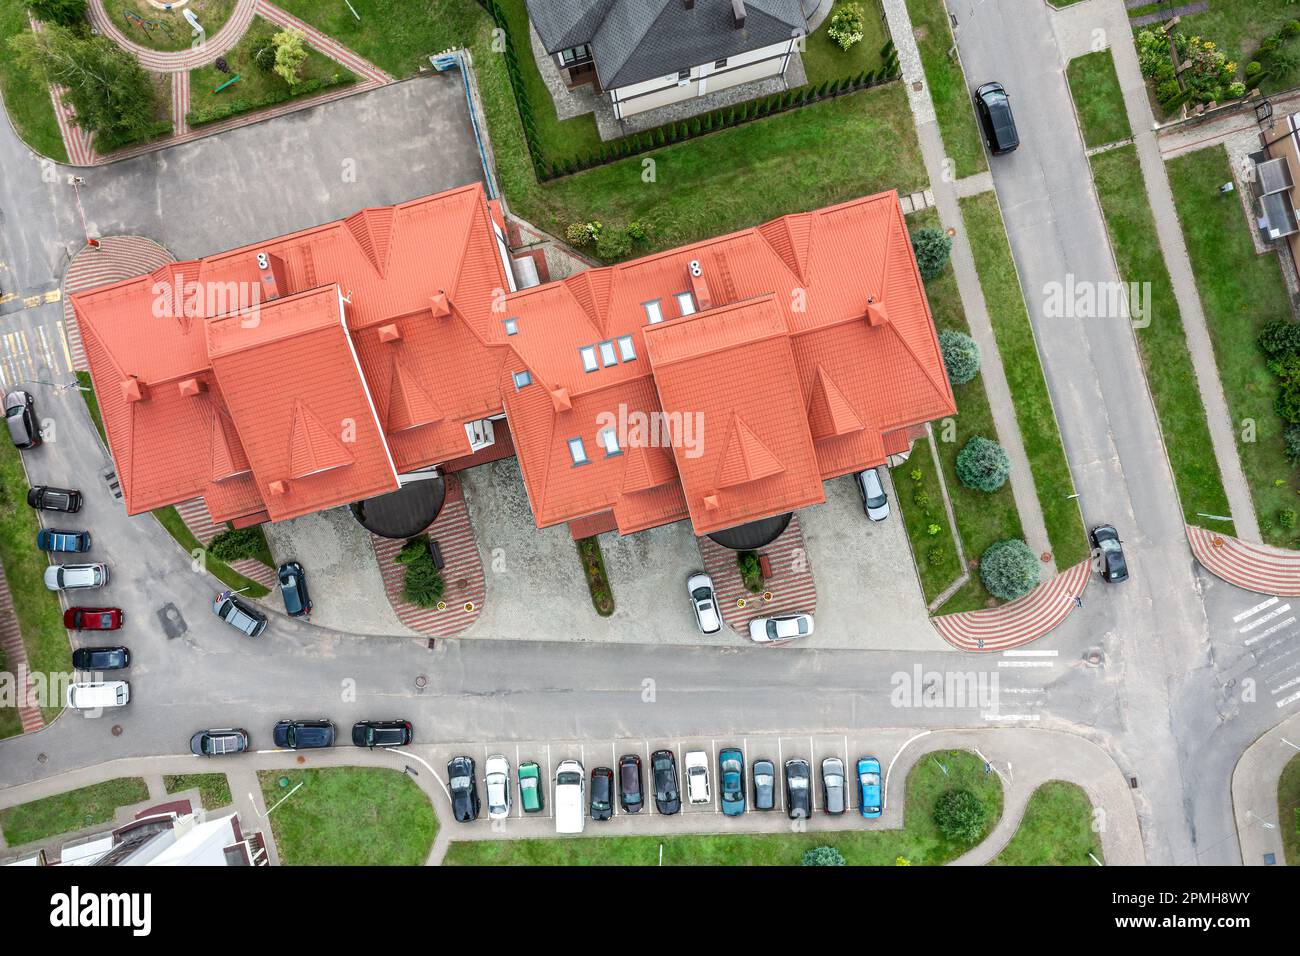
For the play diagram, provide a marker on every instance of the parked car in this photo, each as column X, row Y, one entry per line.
column 531, row 792
column 71, row 542
column 663, row 773
column 764, row 772
column 994, row 109
column 93, row 618
column 293, row 588
column 798, row 794
column 774, row 630
column 239, row 614
column 218, row 743
column 874, row 500
column 731, row 777
column 496, row 777
column 869, row 786
column 101, row 658
column 834, row 798
column 602, row 793
column 303, row 734
column 630, row 796
column 464, row 792
column 70, row 577
column 704, row 601
column 570, row 813
column 1113, row 566
column 96, row 695
column 696, row 763
column 381, row 733
column 45, row 498
column 20, row 416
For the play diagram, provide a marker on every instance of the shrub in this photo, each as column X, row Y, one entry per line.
column 65, row 13
column 290, row 53
column 613, row 244
column 920, row 498
column 1290, row 29
column 1286, row 518
column 823, row 856
column 1009, row 569
column 237, row 544
column 1253, row 68
column 750, row 571
column 932, row 248
column 846, row 25
column 935, row 554
column 1292, row 438
column 933, row 529
column 983, row 465
column 960, row 816
column 1280, row 338
column 577, row 234
column 422, row 585
column 961, row 356
column 636, row 231
column 413, row 550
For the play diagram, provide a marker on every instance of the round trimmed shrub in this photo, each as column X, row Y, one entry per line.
column 932, row 248
column 960, row 816
column 577, row 234
column 1009, row 569
column 823, row 856
column 1279, row 338
column 961, row 356
column 1292, row 438
column 422, row 585
column 983, row 465
column 236, row 544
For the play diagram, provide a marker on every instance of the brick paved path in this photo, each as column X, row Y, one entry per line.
column 176, row 61
column 791, row 584
column 1255, row 567
column 1020, row 621
column 15, row 651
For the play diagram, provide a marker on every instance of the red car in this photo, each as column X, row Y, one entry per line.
column 92, row 618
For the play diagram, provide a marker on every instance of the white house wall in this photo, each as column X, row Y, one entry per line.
column 705, row 78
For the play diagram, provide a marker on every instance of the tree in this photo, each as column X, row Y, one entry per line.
column 290, row 53
column 110, row 92
column 932, row 247
column 823, row 856
column 983, row 465
column 237, row 544
column 65, row 13
column 1009, row 569
column 961, row 356
column 960, row 816
column 422, row 585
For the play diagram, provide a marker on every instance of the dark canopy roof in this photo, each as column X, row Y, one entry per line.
column 754, row 534
column 403, row 513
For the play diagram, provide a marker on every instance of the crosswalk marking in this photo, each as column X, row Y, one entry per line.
column 1263, row 605
column 1272, row 630
column 1289, row 700
column 1276, row 612
column 63, row 340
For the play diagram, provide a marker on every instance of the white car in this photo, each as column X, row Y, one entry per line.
column 874, row 500
column 496, row 775
column 95, row 695
column 771, row 630
column 697, row 776
column 704, row 601
column 66, row 577
column 570, row 797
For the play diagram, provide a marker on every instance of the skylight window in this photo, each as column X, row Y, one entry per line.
column 609, row 441
column 653, row 312
column 589, row 363
column 522, row 378
column 512, row 326
column 685, row 302
column 626, row 349
column 608, row 356
column 577, row 452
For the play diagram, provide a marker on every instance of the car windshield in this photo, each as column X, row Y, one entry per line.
column 527, row 783
column 772, row 630
column 460, row 783
column 798, row 783
column 763, row 779
column 871, row 779
column 568, row 779
column 701, row 594
column 292, row 736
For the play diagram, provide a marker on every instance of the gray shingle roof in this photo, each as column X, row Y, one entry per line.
column 637, row 40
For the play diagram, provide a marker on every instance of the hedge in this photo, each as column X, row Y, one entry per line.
column 235, row 107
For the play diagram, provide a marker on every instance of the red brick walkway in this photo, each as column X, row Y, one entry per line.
column 1254, row 567
column 117, row 258
column 463, row 573
column 174, row 61
column 1020, row 621
column 195, row 515
column 791, row 585
column 15, row 652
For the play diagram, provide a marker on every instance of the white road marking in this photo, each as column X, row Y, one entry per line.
column 1272, row 630
column 1025, row 664
column 1254, row 610
column 63, row 339
column 1289, row 700
column 1030, row 653
column 1010, row 716
column 1276, row 612
column 1281, row 687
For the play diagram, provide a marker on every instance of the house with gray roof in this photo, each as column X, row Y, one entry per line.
column 645, row 54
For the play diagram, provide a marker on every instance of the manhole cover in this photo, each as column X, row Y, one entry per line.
column 302, row 759
column 173, row 622
column 1045, row 557
column 1093, row 657
column 918, row 86
column 117, row 730
column 41, row 758
column 422, row 682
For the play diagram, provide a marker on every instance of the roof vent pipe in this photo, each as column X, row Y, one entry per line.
column 738, row 13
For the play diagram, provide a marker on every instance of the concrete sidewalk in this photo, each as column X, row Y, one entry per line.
column 968, row 284
column 1254, row 793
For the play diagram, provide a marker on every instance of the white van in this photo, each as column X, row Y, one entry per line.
column 95, row 695
column 570, row 797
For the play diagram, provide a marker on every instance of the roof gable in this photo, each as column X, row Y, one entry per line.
column 746, row 458
column 312, row 449
column 829, row 412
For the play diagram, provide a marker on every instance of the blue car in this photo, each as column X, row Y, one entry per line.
column 76, row 542
column 731, row 770
column 869, row 786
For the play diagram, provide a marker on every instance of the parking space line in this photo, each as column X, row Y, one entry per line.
column 779, row 783
column 650, row 803
column 550, row 782
column 521, row 792
column 713, row 762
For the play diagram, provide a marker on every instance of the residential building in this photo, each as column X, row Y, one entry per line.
column 1272, row 175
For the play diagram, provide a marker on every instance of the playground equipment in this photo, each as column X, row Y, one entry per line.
column 149, row 26
column 232, row 80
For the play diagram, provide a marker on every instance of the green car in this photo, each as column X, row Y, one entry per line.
column 530, row 787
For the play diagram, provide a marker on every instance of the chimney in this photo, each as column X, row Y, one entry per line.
column 688, row 4
column 192, row 387
column 275, row 278
column 134, row 390
column 560, row 400
column 700, row 288
column 278, row 488
column 876, row 314
column 738, row 13
column 389, row 333
column 440, row 304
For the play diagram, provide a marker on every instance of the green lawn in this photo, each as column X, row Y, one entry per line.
column 921, row 504
column 1015, row 338
column 256, row 89
column 1240, row 292
column 952, row 100
column 349, row 816
column 1163, row 344
column 10, row 723
column 40, row 618
column 26, row 99
column 1056, row 830
column 214, row 788
column 824, row 59
column 66, row 812
column 170, row 519
column 92, row 403
column 1098, row 100
column 1238, row 27
column 919, row 841
column 1288, row 810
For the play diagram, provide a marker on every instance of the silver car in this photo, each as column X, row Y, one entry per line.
column 20, row 416
column 773, row 630
column 496, row 775
column 833, row 790
column 68, row 577
column 704, row 601
column 874, row 500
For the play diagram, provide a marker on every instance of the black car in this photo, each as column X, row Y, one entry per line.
column 994, row 109
column 630, row 796
column 464, row 792
column 798, row 789
column 45, row 498
column 293, row 587
column 218, row 743
column 1110, row 554
column 764, row 784
column 101, row 658
column 663, row 770
column 20, row 416
column 303, row 734
column 381, row 733
column 602, row 793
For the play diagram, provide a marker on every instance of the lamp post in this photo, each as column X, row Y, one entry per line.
column 77, row 183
